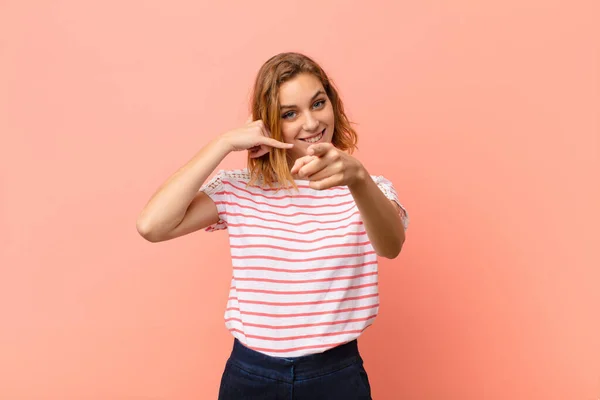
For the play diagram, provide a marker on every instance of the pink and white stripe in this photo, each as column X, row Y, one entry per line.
column 304, row 271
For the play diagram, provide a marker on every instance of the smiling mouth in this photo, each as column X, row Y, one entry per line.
column 316, row 138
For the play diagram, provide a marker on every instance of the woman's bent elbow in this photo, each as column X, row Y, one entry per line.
column 145, row 230
column 391, row 252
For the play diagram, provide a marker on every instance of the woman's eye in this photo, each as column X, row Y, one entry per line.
column 292, row 114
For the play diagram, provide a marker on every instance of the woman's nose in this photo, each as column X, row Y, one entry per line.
column 310, row 123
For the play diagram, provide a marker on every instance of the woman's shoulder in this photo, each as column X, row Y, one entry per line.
column 225, row 176
column 235, row 174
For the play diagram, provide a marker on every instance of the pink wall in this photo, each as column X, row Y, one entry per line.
column 484, row 114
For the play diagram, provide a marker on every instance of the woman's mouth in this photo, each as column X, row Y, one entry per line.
column 315, row 139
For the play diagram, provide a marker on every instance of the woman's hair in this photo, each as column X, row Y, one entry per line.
column 273, row 166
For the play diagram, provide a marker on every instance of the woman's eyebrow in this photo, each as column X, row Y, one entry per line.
column 314, row 97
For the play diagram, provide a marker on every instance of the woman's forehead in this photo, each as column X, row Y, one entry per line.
column 300, row 89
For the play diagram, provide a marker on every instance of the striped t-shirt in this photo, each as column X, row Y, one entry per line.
column 304, row 271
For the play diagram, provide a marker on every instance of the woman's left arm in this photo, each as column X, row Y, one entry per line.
column 380, row 216
column 326, row 166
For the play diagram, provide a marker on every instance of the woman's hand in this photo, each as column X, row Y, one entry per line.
column 326, row 166
column 253, row 136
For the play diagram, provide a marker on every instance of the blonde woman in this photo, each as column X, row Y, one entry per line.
column 306, row 224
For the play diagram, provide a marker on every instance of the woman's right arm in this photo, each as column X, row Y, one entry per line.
column 178, row 207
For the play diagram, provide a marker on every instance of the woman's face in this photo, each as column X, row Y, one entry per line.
column 306, row 114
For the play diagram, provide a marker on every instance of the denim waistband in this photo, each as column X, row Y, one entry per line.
column 290, row 369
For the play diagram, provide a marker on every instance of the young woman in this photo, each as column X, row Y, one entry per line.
column 306, row 224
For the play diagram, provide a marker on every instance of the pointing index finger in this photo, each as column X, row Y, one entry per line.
column 318, row 149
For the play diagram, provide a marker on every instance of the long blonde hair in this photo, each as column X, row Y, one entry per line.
column 273, row 167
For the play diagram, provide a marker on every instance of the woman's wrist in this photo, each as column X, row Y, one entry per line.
column 359, row 178
column 222, row 145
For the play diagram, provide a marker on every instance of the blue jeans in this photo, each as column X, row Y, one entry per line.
column 337, row 373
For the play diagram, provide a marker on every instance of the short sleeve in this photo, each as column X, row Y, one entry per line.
column 214, row 189
column 388, row 190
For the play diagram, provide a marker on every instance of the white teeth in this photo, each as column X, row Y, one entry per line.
column 314, row 139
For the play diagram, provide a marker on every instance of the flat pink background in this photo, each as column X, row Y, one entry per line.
column 484, row 114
